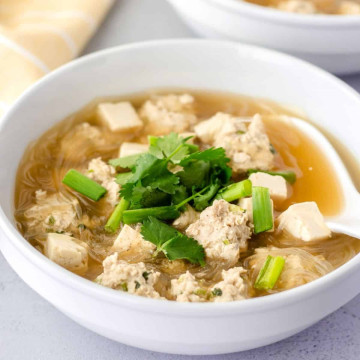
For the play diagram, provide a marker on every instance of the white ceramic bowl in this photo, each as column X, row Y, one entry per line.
column 184, row 328
column 329, row 41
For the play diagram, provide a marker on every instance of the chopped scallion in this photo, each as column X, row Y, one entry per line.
column 83, row 185
column 115, row 219
column 269, row 273
column 235, row 191
column 262, row 209
column 216, row 292
column 288, row 175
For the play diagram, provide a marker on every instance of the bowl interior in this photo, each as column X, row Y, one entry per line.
column 208, row 65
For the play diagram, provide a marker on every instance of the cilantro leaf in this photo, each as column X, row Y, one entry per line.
column 125, row 162
column 171, row 242
column 147, row 197
column 180, row 195
column 217, row 159
column 144, row 166
column 161, row 178
column 204, row 200
column 127, row 190
column 172, row 147
column 151, row 172
column 183, row 247
column 160, row 212
column 157, row 232
column 166, row 183
column 122, row 178
column 195, row 173
column 216, row 156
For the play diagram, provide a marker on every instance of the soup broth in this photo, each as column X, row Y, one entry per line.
column 65, row 147
column 331, row 7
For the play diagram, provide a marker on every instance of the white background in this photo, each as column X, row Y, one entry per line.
column 30, row 328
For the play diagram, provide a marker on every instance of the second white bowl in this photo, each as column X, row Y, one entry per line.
column 329, row 41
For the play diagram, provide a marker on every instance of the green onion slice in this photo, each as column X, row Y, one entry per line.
column 235, row 191
column 115, row 219
column 83, row 185
column 262, row 209
column 269, row 273
column 288, row 175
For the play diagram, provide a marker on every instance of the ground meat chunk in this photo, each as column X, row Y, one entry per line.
column 297, row 6
column 167, row 113
column 219, row 125
column 186, row 288
column 91, row 132
column 104, row 174
column 53, row 212
column 300, row 266
column 130, row 241
column 134, row 278
column 188, row 217
column 232, row 287
column 247, row 147
column 222, row 230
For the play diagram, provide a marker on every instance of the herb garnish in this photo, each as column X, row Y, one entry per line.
column 171, row 242
column 151, row 184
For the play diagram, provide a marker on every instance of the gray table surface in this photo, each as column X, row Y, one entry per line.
column 31, row 328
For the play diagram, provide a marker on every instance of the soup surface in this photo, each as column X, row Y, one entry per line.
column 330, row 7
column 73, row 230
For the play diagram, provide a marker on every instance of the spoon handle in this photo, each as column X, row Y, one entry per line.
column 349, row 227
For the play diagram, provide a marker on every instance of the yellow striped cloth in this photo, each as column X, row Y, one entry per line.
column 36, row 36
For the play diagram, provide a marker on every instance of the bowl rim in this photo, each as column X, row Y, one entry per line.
column 292, row 19
column 119, row 298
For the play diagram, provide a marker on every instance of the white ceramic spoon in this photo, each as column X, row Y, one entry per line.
column 348, row 220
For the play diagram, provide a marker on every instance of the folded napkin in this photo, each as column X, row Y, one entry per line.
column 36, row 36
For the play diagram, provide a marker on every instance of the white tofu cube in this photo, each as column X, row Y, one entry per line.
column 67, row 252
column 131, row 239
column 304, row 221
column 129, row 148
column 276, row 184
column 246, row 204
column 119, row 117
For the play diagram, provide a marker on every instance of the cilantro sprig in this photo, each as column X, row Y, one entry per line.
column 171, row 242
column 161, row 212
column 151, row 189
column 172, row 147
column 151, row 184
column 205, row 168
